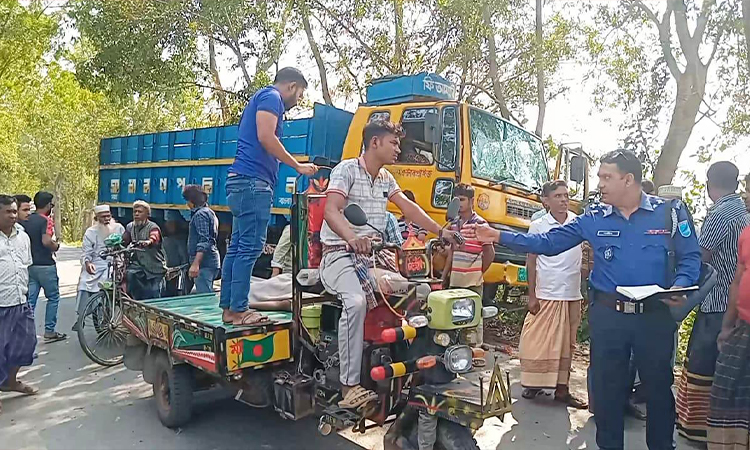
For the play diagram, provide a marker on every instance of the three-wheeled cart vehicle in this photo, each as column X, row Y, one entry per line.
column 419, row 354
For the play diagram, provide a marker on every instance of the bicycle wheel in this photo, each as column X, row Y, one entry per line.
column 101, row 332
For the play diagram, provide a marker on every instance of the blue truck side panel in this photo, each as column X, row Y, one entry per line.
column 169, row 154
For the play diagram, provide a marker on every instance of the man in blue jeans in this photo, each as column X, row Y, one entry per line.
column 250, row 185
column 202, row 250
column 43, row 271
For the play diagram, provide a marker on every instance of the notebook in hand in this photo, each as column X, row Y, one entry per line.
column 638, row 293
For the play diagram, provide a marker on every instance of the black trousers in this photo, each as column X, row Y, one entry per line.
column 650, row 337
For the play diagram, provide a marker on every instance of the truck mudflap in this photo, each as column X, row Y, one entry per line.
column 467, row 400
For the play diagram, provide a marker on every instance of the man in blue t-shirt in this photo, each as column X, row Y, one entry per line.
column 250, row 185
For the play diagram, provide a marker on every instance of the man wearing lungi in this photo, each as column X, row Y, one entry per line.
column 17, row 333
column 718, row 240
column 548, row 338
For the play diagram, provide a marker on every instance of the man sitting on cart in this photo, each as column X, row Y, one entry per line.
column 347, row 250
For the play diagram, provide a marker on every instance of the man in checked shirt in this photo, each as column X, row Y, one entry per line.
column 204, row 227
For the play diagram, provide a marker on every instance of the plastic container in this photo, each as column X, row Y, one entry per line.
column 311, row 316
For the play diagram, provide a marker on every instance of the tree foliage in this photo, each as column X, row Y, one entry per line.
column 98, row 68
column 679, row 60
column 50, row 125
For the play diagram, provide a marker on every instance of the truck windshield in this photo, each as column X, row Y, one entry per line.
column 501, row 152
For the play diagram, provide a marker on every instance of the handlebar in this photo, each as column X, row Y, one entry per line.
column 380, row 246
column 114, row 252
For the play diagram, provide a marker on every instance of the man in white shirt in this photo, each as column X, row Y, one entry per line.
column 94, row 268
column 17, row 333
column 549, row 331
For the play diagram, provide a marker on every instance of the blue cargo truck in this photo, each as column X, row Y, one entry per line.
column 155, row 167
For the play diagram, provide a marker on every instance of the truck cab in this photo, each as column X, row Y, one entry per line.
column 448, row 142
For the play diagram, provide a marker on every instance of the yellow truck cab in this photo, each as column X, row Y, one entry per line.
column 449, row 142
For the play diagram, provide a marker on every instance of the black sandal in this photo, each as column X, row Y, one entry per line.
column 572, row 401
column 530, row 393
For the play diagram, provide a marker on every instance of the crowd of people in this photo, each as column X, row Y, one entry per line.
column 630, row 238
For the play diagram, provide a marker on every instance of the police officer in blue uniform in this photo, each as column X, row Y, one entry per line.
column 630, row 235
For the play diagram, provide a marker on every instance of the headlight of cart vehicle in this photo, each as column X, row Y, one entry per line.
column 418, row 321
column 442, row 339
column 489, row 312
column 462, row 311
column 458, row 358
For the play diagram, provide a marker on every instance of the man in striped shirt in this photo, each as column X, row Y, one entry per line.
column 718, row 240
column 466, row 264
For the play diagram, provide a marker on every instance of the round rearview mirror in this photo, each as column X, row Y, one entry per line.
column 355, row 215
column 452, row 212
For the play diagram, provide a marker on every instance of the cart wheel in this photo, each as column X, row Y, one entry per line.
column 173, row 392
column 324, row 428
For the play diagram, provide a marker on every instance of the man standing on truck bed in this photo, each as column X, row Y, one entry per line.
column 250, row 185
column 344, row 267
column 631, row 234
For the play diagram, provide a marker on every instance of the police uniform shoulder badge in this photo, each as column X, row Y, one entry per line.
column 684, row 228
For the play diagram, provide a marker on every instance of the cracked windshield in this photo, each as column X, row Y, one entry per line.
column 501, row 152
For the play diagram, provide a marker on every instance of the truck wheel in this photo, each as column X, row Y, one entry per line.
column 173, row 392
column 452, row 436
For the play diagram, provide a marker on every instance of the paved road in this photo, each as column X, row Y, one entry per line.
column 84, row 406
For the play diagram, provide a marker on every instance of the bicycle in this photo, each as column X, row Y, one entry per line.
column 101, row 332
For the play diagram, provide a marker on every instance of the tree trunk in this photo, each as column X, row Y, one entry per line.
column 746, row 26
column 690, row 89
column 318, row 58
column 220, row 94
column 497, row 87
column 539, row 71
column 398, row 53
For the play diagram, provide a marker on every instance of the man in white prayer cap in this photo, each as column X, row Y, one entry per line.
column 93, row 266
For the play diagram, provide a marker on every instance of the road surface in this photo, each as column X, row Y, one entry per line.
column 84, row 406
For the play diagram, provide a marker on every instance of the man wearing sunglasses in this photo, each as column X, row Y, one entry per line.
column 632, row 235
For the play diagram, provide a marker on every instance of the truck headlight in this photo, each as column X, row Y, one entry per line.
column 462, row 311
column 457, row 359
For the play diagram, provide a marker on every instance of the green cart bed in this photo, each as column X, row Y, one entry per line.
column 191, row 330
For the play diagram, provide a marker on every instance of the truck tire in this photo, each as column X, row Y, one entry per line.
column 452, row 436
column 173, row 392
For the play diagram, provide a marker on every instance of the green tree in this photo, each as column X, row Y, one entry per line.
column 686, row 47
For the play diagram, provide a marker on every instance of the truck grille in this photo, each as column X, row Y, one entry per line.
column 520, row 208
column 504, row 254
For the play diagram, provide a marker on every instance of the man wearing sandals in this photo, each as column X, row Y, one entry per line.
column 17, row 333
column 347, row 249
column 548, row 338
column 250, row 185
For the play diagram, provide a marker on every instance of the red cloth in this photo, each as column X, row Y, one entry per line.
column 50, row 225
column 743, row 257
